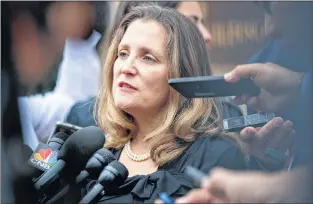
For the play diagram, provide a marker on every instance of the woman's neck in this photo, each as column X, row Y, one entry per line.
column 145, row 125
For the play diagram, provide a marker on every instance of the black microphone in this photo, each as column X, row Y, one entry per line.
column 73, row 156
column 57, row 140
column 95, row 164
column 93, row 168
column 112, row 175
column 45, row 155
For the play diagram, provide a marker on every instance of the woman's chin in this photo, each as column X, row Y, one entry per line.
column 124, row 106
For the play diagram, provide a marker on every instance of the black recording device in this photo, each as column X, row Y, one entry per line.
column 45, row 156
column 212, row 86
column 111, row 177
column 72, row 158
column 255, row 120
column 66, row 128
column 57, row 140
column 95, row 165
column 93, row 168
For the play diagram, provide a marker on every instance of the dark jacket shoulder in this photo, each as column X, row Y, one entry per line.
column 207, row 152
column 82, row 113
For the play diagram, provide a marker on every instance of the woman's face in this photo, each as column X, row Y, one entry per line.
column 140, row 73
column 192, row 10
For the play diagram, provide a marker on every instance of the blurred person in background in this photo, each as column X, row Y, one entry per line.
column 82, row 113
column 289, row 35
column 290, row 45
column 32, row 37
column 78, row 75
column 281, row 90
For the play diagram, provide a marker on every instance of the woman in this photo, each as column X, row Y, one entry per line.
column 151, row 128
column 82, row 112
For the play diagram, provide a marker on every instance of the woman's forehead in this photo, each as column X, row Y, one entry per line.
column 149, row 34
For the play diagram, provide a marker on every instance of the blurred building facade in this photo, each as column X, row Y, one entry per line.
column 237, row 30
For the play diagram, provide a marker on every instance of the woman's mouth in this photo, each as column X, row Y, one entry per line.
column 126, row 86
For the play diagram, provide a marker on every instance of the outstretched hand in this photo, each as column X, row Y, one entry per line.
column 279, row 86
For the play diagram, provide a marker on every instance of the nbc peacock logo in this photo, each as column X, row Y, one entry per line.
column 44, row 157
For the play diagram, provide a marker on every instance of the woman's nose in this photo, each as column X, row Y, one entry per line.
column 128, row 67
column 205, row 33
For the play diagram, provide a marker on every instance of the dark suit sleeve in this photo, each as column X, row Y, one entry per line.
column 232, row 158
column 301, row 116
column 72, row 118
column 81, row 113
column 305, row 102
column 306, row 89
column 219, row 152
column 211, row 152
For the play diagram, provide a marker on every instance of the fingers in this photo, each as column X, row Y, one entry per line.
column 218, row 185
column 257, row 138
column 248, row 134
column 252, row 102
column 269, row 129
column 288, row 142
column 283, row 138
column 158, row 201
column 242, row 71
column 200, row 195
column 211, row 190
column 276, row 134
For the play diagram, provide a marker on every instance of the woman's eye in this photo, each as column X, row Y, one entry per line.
column 148, row 59
column 122, row 54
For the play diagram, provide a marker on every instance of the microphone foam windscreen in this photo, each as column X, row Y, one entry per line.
column 58, row 140
column 98, row 161
column 120, row 168
column 106, row 155
column 80, row 146
column 61, row 135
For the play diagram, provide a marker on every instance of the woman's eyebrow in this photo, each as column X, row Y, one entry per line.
column 152, row 51
column 123, row 46
column 143, row 49
column 196, row 18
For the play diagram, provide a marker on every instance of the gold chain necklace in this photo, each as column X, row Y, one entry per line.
column 135, row 157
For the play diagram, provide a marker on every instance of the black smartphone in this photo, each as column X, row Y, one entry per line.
column 239, row 123
column 212, row 86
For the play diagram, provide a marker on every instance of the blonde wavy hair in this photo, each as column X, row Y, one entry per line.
column 184, row 120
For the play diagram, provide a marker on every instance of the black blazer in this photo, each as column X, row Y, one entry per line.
column 205, row 153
